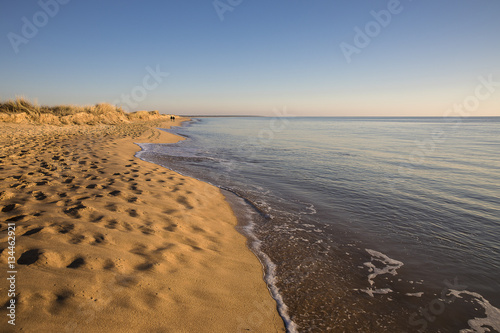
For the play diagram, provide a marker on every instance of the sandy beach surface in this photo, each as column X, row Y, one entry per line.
column 105, row 242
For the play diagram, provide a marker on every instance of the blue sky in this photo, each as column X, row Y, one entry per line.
column 263, row 55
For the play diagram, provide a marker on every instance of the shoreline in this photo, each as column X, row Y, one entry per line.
column 242, row 209
column 102, row 243
column 246, row 212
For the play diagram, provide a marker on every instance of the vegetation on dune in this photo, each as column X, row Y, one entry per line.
column 21, row 110
column 20, row 105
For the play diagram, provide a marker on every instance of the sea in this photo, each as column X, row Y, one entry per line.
column 361, row 224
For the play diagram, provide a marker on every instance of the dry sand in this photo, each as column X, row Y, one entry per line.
column 106, row 242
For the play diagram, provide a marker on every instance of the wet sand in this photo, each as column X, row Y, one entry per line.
column 106, row 242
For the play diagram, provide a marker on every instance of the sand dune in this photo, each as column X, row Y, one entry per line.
column 108, row 243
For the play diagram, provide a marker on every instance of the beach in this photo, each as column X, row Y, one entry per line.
column 106, row 242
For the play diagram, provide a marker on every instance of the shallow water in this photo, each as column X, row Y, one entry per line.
column 369, row 224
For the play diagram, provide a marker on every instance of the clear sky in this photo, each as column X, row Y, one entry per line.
column 312, row 57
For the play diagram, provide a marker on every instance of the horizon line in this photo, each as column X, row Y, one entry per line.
column 262, row 116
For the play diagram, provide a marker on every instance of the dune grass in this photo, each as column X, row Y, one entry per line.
column 20, row 105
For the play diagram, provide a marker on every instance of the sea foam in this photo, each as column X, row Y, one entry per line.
column 480, row 325
column 391, row 267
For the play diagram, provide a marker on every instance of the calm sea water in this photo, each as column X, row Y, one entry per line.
column 363, row 224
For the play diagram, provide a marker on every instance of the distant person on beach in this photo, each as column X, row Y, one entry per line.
column 172, row 118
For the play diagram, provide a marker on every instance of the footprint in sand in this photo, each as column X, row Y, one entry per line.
column 64, row 228
column 60, row 300
column 29, row 257
column 171, row 228
column 32, row 231
column 126, row 281
column 77, row 263
column 95, row 218
column 77, row 239
column 112, row 207
column 183, row 201
column 98, row 239
column 75, row 212
column 68, row 180
column 146, row 230
column 144, row 266
column 9, row 208
column 197, row 229
column 16, row 218
column 133, row 199
column 132, row 213
column 139, row 249
column 108, row 265
column 39, row 195
column 111, row 224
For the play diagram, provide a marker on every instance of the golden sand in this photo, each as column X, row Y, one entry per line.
column 106, row 242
